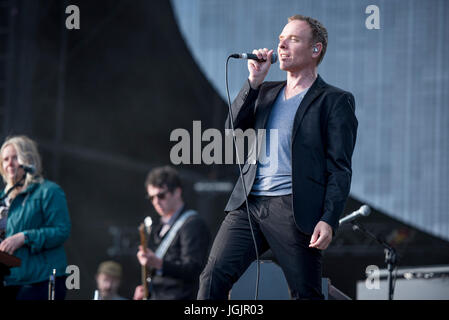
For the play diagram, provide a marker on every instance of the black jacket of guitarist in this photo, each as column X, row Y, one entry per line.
column 184, row 260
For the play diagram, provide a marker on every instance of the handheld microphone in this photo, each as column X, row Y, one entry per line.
column 363, row 211
column 31, row 169
column 252, row 56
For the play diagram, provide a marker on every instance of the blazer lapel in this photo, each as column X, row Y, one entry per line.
column 265, row 106
column 263, row 109
column 314, row 91
column 167, row 228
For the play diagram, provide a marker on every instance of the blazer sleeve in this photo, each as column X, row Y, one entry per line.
column 243, row 108
column 341, row 136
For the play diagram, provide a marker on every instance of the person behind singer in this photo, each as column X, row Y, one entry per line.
column 176, row 275
column 294, row 205
column 38, row 223
column 108, row 278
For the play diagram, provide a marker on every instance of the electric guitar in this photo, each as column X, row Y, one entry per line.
column 144, row 229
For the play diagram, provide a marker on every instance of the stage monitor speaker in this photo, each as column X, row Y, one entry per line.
column 273, row 285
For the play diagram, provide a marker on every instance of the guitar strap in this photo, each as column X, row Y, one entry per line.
column 165, row 244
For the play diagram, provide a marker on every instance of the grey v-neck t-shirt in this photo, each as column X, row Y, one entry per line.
column 274, row 167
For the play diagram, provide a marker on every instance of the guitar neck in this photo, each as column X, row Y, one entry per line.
column 145, row 272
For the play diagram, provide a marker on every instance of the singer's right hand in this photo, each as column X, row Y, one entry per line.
column 259, row 70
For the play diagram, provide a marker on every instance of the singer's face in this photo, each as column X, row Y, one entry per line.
column 10, row 164
column 164, row 201
column 295, row 48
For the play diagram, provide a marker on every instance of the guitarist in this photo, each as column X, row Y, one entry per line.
column 178, row 245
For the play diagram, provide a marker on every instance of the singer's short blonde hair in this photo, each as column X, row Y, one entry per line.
column 27, row 154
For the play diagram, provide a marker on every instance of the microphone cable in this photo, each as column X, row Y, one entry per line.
column 242, row 179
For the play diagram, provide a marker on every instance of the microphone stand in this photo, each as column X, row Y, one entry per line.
column 51, row 285
column 390, row 256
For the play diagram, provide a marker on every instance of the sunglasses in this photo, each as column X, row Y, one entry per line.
column 160, row 196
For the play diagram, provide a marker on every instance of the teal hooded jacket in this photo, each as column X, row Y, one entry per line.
column 41, row 213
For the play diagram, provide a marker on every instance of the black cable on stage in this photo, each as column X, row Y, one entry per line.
column 243, row 180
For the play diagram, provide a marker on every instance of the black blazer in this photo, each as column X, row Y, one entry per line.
column 183, row 261
column 323, row 140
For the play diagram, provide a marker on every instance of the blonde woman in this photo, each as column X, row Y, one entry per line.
column 37, row 222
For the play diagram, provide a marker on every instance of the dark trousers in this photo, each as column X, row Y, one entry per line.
column 274, row 227
column 36, row 291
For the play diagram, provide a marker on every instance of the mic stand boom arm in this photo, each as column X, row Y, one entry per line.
column 390, row 256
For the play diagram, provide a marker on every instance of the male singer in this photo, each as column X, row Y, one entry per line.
column 294, row 207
